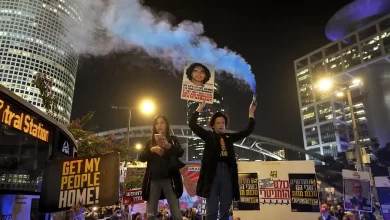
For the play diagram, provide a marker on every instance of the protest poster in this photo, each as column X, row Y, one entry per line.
column 357, row 191
column 198, row 82
column 382, row 184
column 304, row 193
column 87, row 180
column 249, row 192
column 132, row 196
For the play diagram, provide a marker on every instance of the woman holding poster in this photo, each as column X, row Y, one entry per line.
column 162, row 178
column 218, row 180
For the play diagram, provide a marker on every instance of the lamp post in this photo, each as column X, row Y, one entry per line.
column 358, row 152
column 146, row 107
column 327, row 85
column 129, row 121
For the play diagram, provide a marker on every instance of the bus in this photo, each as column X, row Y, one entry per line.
column 28, row 139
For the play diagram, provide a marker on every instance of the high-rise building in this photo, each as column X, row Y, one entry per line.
column 196, row 146
column 360, row 50
column 34, row 38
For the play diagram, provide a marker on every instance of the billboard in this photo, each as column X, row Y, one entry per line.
column 70, row 181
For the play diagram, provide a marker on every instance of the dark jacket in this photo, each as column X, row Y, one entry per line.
column 173, row 166
column 212, row 152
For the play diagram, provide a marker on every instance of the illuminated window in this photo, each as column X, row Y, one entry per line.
column 32, row 35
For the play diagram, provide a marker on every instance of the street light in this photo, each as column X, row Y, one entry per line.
column 146, row 107
column 340, row 94
column 138, row 148
column 327, row 84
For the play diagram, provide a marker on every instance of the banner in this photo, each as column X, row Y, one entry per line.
column 133, row 196
column 86, row 180
column 274, row 190
column 189, row 199
column 382, row 184
column 198, row 82
column 249, row 191
column 304, row 193
column 357, row 191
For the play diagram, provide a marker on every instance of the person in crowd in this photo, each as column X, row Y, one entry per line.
column 218, row 180
column 102, row 213
column 162, row 179
column 76, row 212
column 325, row 213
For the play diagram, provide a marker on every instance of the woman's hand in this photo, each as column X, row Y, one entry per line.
column 158, row 150
column 201, row 106
column 163, row 143
column 252, row 109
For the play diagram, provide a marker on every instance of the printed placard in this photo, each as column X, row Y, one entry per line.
column 198, row 82
column 304, row 193
column 357, row 191
column 71, row 181
column 249, row 191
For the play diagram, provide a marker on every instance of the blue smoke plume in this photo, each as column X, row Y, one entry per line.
column 128, row 24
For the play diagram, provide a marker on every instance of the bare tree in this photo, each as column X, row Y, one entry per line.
column 49, row 98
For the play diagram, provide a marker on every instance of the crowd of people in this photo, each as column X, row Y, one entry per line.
column 332, row 211
column 115, row 212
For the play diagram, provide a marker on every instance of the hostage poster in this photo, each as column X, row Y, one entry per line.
column 198, row 82
column 86, row 180
column 357, row 191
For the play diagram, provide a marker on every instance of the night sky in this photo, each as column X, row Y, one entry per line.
column 269, row 37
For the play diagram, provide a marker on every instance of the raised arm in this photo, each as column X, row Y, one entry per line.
column 176, row 148
column 145, row 154
column 249, row 129
column 193, row 123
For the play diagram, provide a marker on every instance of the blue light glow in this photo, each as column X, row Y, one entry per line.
column 338, row 25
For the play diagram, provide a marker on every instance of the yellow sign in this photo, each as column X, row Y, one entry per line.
column 274, row 174
column 80, row 182
column 23, row 122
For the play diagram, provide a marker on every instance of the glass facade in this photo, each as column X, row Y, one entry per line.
column 34, row 38
column 27, row 141
column 326, row 120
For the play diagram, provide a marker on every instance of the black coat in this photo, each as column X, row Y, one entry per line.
column 211, row 154
column 174, row 166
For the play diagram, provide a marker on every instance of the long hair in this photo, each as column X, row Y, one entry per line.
column 168, row 130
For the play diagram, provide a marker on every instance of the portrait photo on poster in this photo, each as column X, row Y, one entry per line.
column 357, row 195
column 198, row 82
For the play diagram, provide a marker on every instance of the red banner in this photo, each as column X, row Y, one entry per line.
column 133, row 196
